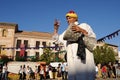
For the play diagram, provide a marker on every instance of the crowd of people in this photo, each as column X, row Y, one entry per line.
column 110, row 70
column 43, row 72
column 60, row 72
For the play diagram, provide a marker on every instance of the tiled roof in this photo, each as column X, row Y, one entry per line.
column 19, row 33
column 34, row 34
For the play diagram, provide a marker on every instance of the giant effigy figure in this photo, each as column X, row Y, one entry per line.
column 79, row 41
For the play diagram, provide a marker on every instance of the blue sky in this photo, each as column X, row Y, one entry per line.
column 39, row 15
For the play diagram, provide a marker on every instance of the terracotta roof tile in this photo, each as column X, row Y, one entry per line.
column 40, row 34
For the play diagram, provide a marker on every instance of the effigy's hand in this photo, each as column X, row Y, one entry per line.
column 77, row 29
column 56, row 26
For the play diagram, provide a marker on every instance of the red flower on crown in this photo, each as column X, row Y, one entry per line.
column 71, row 11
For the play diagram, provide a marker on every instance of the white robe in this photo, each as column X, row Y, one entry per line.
column 77, row 69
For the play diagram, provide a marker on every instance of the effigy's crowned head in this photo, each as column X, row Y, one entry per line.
column 71, row 13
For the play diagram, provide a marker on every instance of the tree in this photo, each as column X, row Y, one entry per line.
column 47, row 55
column 4, row 58
column 104, row 54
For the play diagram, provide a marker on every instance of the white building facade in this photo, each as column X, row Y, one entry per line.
column 11, row 40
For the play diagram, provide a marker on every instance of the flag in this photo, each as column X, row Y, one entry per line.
column 22, row 50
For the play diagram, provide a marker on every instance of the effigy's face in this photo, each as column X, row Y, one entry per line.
column 70, row 19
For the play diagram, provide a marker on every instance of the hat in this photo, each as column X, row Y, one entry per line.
column 71, row 14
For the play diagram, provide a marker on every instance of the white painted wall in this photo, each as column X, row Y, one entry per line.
column 14, row 67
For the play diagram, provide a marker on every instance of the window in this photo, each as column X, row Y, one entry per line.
column 4, row 33
column 44, row 44
column 37, row 44
column 17, row 54
column 37, row 55
column 18, row 44
column 26, row 43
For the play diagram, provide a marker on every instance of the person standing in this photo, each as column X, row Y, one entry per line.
column 50, row 72
column 63, row 70
column 114, row 70
column 24, row 72
column 59, row 72
column 99, row 70
column 27, row 73
column 0, row 71
column 104, row 71
column 47, row 72
column 20, row 73
column 96, row 70
column 5, row 72
column 79, row 67
column 66, row 72
column 36, row 72
column 42, row 72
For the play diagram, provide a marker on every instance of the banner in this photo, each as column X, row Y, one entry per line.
column 22, row 50
column 110, row 36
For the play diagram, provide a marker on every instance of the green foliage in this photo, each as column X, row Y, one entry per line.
column 48, row 56
column 20, row 58
column 4, row 59
column 34, row 59
column 104, row 54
